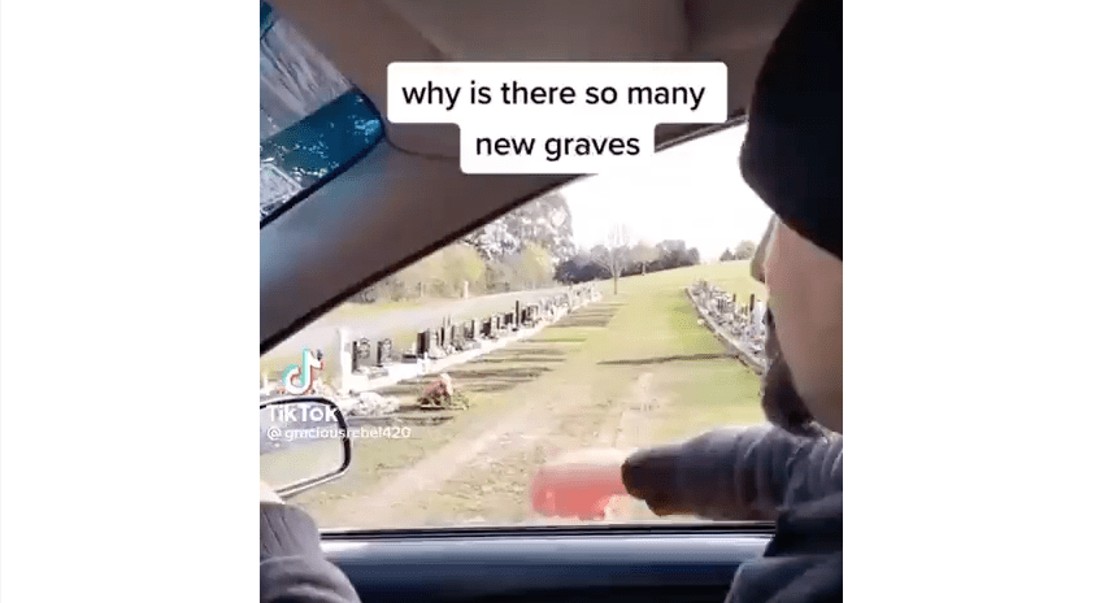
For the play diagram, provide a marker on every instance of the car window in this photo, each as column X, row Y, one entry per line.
column 469, row 372
column 313, row 122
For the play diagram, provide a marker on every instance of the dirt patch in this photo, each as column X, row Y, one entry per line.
column 483, row 465
column 493, row 486
column 634, row 429
column 594, row 316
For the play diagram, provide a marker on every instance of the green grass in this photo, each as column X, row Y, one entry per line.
column 731, row 276
column 701, row 387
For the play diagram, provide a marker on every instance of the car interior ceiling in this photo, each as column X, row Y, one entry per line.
column 409, row 196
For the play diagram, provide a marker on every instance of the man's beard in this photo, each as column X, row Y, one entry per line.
column 782, row 405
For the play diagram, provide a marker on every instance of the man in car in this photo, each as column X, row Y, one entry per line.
column 744, row 473
column 292, row 566
column 792, row 158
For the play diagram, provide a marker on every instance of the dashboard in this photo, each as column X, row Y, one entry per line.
column 634, row 563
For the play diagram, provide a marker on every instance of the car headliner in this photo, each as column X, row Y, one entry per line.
column 409, row 197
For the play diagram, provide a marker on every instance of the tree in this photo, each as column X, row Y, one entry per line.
column 644, row 254
column 727, row 255
column 580, row 268
column 674, row 254
column 744, row 250
column 614, row 254
column 461, row 264
column 534, row 266
column 545, row 221
column 441, row 274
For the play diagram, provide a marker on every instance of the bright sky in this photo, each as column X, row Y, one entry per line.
column 692, row 192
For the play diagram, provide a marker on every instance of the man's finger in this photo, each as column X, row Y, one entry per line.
column 651, row 475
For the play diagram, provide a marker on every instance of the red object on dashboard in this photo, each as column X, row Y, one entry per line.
column 579, row 484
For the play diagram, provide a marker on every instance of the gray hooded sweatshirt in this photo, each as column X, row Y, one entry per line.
column 753, row 473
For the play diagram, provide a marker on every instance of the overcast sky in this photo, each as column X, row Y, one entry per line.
column 692, row 192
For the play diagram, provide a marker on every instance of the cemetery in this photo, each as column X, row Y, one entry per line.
column 740, row 325
column 363, row 366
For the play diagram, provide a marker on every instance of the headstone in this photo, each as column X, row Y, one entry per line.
column 437, row 349
column 443, row 338
column 360, row 355
column 423, row 343
column 385, row 351
column 452, row 335
column 471, row 329
column 486, row 327
column 465, row 289
column 344, row 358
column 516, row 309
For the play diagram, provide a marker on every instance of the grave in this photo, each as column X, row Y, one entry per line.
column 385, row 351
column 423, row 343
column 350, row 374
column 442, row 338
column 360, row 355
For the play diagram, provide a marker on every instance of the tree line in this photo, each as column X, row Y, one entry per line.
column 532, row 247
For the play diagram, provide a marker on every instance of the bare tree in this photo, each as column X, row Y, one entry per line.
column 614, row 254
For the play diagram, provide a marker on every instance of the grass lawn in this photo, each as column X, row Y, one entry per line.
column 635, row 369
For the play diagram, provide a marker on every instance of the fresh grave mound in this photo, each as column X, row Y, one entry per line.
column 441, row 395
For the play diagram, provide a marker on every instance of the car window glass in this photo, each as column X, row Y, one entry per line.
column 527, row 379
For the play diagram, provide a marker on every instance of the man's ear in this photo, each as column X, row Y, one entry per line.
column 756, row 265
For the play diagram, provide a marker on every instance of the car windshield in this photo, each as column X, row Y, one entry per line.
column 313, row 122
column 599, row 316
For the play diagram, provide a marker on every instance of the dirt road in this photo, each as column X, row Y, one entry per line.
column 484, row 472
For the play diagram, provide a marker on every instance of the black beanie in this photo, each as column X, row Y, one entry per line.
column 793, row 152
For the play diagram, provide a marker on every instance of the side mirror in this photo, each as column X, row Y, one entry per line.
column 304, row 442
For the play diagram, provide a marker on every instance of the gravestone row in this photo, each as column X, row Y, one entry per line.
column 746, row 322
column 365, row 355
column 449, row 338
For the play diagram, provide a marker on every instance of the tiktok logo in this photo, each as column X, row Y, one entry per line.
column 298, row 378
